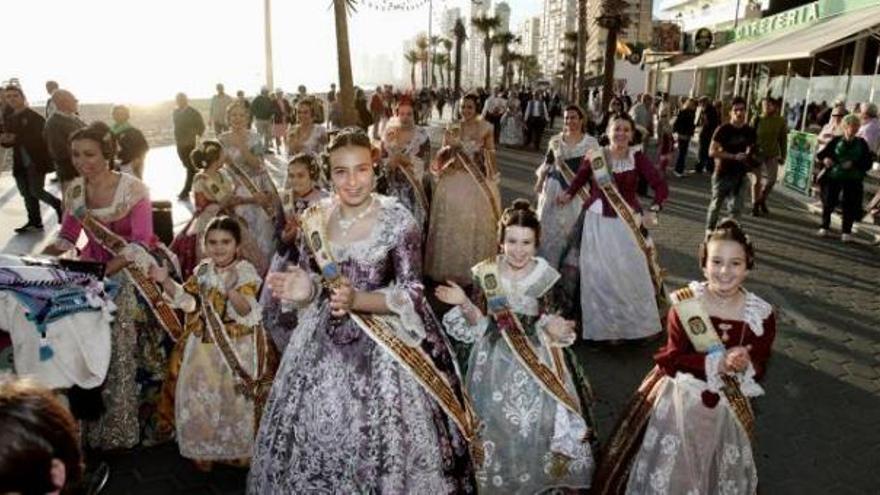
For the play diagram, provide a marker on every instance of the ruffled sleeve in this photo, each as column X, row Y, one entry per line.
column 248, row 285
column 405, row 297
column 654, row 178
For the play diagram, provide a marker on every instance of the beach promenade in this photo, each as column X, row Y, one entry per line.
column 818, row 427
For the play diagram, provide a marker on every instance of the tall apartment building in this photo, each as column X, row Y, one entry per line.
column 447, row 21
column 530, row 33
column 474, row 69
column 502, row 12
column 558, row 17
column 639, row 31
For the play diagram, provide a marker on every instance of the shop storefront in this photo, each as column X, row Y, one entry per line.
column 822, row 52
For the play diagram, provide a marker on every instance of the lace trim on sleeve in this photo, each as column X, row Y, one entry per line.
column 247, row 276
column 747, row 383
column 712, row 365
column 569, row 431
column 408, row 326
column 457, row 326
column 254, row 316
column 182, row 300
column 757, row 310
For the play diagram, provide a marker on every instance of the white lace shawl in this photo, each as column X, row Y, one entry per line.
column 755, row 312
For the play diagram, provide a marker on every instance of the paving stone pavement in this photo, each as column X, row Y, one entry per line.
column 819, row 423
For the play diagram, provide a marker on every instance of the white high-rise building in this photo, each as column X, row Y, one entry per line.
column 530, row 33
column 473, row 73
column 558, row 18
column 447, row 21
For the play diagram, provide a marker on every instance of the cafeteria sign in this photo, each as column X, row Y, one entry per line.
column 783, row 20
column 799, row 162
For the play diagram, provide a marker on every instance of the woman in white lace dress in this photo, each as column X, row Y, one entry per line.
column 567, row 149
column 306, row 136
column 534, row 428
column 346, row 413
column 690, row 428
column 619, row 291
column 263, row 213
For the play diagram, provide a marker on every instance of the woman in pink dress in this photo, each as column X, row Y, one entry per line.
column 115, row 212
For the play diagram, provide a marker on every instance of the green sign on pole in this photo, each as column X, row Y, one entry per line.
column 799, row 162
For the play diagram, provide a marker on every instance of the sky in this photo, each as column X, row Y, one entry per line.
column 141, row 52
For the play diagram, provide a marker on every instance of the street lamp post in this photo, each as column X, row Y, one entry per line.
column 267, row 26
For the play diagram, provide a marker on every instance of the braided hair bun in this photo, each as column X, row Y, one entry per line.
column 519, row 214
column 729, row 230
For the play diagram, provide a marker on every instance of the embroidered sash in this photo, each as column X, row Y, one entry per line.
column 605, row 180
column 551, row 380
column 245, row 179
column 113, row 243
column 478, row 176
column 413, row 359
column 255, row 387
column 702, row 334
column 419, row 191
column 566, row 173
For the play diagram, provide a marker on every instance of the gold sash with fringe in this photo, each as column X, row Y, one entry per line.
column 256, row 387
column 253, row 190
column 605, row 181
column 550, row 380
column 413, row 359
column 702, row 334
column 114, row 244
column 567, row 174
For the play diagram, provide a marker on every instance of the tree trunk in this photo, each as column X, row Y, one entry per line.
column 458, row 44
column 412, row 75
column 487, row 50
column 581, row 54
column 608, row 76
column 343, row 56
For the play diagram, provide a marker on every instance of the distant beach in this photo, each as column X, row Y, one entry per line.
column 153, row 120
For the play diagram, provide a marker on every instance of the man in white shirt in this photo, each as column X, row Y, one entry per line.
column 219, row 103
column 536, row 119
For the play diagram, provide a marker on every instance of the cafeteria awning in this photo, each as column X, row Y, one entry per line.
column 711, row 57
column 803, row 41
column 806, row 42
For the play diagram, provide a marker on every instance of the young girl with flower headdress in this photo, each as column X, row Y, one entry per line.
column 535, row 433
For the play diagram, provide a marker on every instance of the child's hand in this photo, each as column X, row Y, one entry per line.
column 451, row 294
column 230, row 280
column 159, row 274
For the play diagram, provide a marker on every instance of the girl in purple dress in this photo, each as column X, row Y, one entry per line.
column 367, row 399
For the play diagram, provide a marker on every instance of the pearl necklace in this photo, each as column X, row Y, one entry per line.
column 345, row 224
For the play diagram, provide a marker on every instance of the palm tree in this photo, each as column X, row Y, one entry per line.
column 531, row 69
column 504, row 39
column 439, row 60
column 582, row 53
column 422, row 44
column 460, row 35
column 343, row 56
column 615, row 19
column 485, row 25
column 447, row 46
column 412, row 57
column 571, row 56
column 433, row 41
